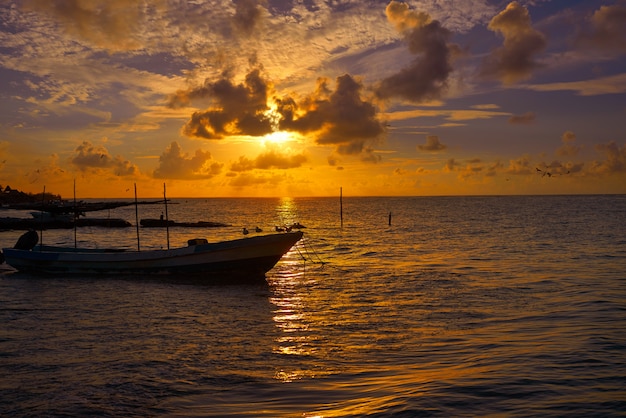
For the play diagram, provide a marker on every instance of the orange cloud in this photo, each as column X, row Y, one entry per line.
column 432, row 144
column 88, row 156
column 174, row 164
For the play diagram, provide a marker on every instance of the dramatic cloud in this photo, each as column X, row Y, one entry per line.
column 608, row 28
column 524, row 119
column 341, row 118
column 432, row 144
column 174, row 164
column 568, row 149
column 426, row 77
column 269, row 160
column 514, row 61
column 88, row 156
column 238, row 109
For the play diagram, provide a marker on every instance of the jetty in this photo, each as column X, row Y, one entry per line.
column 162, row 223
column 10, row 223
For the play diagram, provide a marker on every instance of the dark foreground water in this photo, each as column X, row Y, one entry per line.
column 464, row 306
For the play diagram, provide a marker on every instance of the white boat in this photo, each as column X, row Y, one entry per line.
column 246, row 259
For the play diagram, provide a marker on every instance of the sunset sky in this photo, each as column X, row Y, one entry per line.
column 301, row 97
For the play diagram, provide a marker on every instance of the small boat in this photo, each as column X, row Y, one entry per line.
column 244, row 259
column 52, row 217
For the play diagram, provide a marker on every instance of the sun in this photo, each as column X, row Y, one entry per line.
column 279, row 137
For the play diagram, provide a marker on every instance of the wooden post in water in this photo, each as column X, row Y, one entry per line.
column 389, row 218
column 137, row 217
column 341, row 205
column 167, row 219
column 43, row 203
column 75, row 213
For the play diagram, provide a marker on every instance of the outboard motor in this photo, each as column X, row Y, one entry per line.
column 27, row 241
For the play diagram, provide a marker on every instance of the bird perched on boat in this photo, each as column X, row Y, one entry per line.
column 27, row 241
column 245, row 231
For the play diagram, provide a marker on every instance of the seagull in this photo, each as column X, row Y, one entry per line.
column 545, row 173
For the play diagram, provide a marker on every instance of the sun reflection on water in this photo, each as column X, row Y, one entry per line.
column 303, row 345
column 287, row 211
column 290, row 317
column 291, row 314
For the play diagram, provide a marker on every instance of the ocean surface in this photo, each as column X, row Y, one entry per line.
column 462, row 307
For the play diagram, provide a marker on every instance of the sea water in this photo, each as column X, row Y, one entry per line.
column 406, row 307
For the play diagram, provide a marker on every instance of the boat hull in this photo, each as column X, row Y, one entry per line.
column 242, row 258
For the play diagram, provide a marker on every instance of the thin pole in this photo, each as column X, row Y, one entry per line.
column 341, row 205
column 75, row 213
column 43, row 203
column 167, row 219
column 137, row 217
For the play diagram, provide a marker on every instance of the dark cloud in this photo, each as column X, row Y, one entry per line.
column 608, row 29
column 88, row 156
column 249, row 180
column 174, row 164
column 451, row 165
column 341, row 118
column 514, row 61
column 237, row 109
column 426, row 77
column 432, row 144
column 269, row 160
column 248, row 14
column 524, row 119
column 369, row 156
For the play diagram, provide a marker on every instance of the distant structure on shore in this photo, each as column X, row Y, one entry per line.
column 10, row 196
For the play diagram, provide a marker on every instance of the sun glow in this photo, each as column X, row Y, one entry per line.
column 279, row 137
